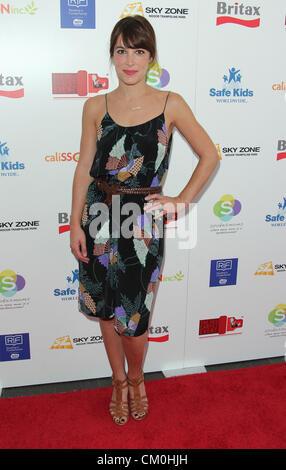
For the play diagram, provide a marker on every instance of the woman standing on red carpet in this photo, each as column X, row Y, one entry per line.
column 124, row 153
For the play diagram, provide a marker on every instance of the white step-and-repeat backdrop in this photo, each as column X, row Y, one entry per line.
column 221, row 295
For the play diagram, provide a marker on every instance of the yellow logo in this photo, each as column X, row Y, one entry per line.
column 63, row 342
column 132, row 9
column 265, row 269
column 218, row 151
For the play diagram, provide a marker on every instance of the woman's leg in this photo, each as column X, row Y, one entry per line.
column 118, row 407
column 114, row 348
column 135, row 348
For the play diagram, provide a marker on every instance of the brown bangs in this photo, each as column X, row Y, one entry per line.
column 136, row 33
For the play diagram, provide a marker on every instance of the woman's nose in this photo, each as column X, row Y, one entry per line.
column 129, row 58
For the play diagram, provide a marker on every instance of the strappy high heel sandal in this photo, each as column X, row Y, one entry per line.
column 118, row 408
column 138, row 404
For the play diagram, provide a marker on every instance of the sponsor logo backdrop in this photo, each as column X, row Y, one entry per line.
column 225, row 59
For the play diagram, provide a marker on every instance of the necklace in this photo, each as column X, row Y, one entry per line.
column 135, row 108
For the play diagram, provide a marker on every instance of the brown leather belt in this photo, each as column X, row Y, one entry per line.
column 119, row 189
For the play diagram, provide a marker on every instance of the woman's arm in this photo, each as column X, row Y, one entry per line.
column 82, row 178
column 186, row 123
column 181, row 116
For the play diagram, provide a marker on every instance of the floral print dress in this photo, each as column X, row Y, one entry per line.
column 118, row 281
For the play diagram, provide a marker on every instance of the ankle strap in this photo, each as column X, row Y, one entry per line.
column 136, row 380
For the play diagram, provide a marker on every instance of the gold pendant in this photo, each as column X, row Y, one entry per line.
column 136, row 107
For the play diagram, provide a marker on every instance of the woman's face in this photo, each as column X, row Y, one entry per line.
column 130, row 64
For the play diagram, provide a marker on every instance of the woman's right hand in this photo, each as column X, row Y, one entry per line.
column 78, row 243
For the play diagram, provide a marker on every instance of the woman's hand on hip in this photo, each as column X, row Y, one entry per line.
column 169, row 205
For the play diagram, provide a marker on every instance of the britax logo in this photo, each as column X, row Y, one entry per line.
column 229, row 14
column 281, row 149
column 13, row 86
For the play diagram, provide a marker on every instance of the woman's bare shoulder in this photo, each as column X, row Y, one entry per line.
column 94, row 103
column 175, row 99
column 94, row 107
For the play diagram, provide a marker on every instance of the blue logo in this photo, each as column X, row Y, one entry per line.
column 232, row 90
column 4, row 150
column 223, row 272
column 79, row 14
column 278, row 219
column 8, row 168
column 69, row 292
column 15, row 347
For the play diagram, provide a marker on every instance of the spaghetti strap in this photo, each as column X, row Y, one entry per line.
column 106, row 102
column 166, row 101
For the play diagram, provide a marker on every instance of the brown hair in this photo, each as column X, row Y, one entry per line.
column 136, row 33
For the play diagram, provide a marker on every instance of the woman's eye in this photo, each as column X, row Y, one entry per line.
column 140, row 51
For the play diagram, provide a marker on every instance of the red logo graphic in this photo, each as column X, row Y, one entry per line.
column 12, row 81
column 80, row 83
column 63, row 220
column 219, row 326
column 228, row 13
column 158, row 330
column 229, row 19
column 281, row 146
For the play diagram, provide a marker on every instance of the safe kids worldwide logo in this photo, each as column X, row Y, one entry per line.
column 7, row 166
column 70, row 291
column 278, row 219
column 227, row 207
column 232, row 90
column 238, row 13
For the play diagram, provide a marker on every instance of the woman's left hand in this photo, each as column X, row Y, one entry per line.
column 169, row 205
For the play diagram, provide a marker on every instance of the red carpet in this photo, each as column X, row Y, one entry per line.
column 237, row 409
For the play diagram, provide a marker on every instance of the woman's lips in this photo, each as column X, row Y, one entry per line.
column 129, row 72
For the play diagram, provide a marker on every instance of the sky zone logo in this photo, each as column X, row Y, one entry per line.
column 229, row 14
column 136, row 8
column 267, row 269
column 239, row 151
